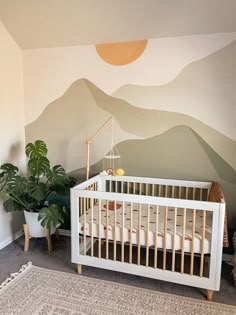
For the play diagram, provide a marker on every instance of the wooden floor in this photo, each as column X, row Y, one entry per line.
column 13, row 257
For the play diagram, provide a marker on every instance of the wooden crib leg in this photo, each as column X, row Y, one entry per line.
column 79, row 268
column 27, row 237
column 210, row 295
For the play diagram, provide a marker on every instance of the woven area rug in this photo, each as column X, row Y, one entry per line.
column 35, row 290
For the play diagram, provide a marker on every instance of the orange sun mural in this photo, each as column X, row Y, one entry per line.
column 123, row 53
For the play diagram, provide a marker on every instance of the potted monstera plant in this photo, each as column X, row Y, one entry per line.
column 36, row 192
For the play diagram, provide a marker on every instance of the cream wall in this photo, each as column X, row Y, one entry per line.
column 12, row 139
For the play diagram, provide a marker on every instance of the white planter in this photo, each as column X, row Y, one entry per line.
column 34, row 226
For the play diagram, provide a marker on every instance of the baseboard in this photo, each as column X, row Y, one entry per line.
column 11, row 239
column 64, row 232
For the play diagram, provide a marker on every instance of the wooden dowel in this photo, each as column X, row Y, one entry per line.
column 166, row 190
column 165, row 236
column 156, row 237
column 200, row 193
column 139, row 232
column 107, row 230
column 114, row 228
column 192, row 243
column 92, row 227
column 99, row 227
column 159, row 191
column 122, row 241
column 130, row 233
column 183, row 240
column 122, row 187
column 147, row 235
column 202, row 242
column 186, row 193
column 153, row 190
column 84, row 199
column 180, row 192
column 174, row 236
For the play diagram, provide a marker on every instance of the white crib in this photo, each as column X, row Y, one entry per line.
column 158, row 228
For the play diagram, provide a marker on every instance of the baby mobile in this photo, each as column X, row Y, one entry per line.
column 112, row 160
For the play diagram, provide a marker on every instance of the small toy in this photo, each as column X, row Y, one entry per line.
column 110, row 171
column 120, row 172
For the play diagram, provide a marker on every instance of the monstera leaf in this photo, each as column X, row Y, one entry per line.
column 36, row 150
column 17, row 185
column 39, row 167
column 56, row 174
column 38, row 191
column 51, row 216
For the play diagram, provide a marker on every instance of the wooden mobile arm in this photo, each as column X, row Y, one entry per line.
column 88, row 145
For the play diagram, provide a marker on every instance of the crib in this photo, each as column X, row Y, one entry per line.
column 165, row 229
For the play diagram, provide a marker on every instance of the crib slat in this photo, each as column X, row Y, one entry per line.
column 201, row 193
column 140, row 189
column 99, row 227
column 174, row 236
column 146, row 189
column 180, row 192
column 156, row 237
column 128, row 188
column 194, row 193
column 130, row 233
column 202, row 242
column 186, row 193
column 84, row 210
column 166, row 190
column 122, row 241
column 114, row 247
column 116, row 190
column 153, row 187
column 159, row 190
column 134, row 188
column 183, row 240
column 165, row 236
column 173, row 192
column 139, row 232
column 192, row 244
column 107, row 229
column 92, row 200
column 109, row 185
column 147, row 235
column 122, row 187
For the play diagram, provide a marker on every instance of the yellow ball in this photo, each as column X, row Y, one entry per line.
column 120, row 172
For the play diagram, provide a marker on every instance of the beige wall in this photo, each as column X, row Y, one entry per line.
column 12, row 139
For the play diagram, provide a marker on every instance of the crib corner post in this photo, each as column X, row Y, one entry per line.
column 210, row 295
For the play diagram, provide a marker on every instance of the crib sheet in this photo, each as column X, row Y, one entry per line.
column 124, row 232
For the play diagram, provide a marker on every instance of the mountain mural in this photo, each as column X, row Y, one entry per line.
column 204, row 90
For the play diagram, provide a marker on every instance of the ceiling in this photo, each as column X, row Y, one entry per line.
column 54, row 23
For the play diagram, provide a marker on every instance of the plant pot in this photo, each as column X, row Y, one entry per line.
column 34, row 226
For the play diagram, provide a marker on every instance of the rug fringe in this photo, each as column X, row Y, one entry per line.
column 14, row 275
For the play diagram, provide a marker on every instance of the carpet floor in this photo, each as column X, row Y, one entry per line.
column 13, row 257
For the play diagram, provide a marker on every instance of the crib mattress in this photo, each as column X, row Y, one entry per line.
column 123, row 233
